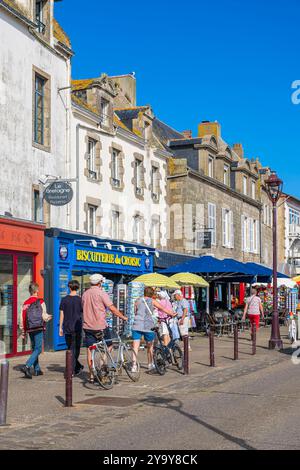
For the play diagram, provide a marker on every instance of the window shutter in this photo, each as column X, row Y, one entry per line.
column 231, row 230
column 224, row 226
column 243, row 232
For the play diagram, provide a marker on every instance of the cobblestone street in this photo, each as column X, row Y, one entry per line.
column 215, row 407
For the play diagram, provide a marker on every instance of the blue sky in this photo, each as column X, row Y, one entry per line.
column 228, row 60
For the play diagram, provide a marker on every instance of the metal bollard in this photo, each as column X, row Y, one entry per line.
column 212, row 347
column 186, row 362
column 69, row 384
column 253, row 339
column 236, row 342
column 4, row 392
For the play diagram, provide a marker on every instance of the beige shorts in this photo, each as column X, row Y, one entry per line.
column 164, row 329
column 184, row 329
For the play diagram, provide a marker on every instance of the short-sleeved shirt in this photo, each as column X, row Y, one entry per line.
column 180, row 306
column 95, row 302
column 72, row 307
column 254, row 304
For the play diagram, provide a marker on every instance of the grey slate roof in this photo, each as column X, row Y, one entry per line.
column 164, row 133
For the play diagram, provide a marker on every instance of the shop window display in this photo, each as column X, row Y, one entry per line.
column 6, row 301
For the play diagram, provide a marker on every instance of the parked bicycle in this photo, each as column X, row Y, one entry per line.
column 108, row 365
column 164, row 356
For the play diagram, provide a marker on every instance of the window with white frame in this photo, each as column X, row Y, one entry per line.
column 138, row 166
column 250, row 235
column 228, row 229
column 253, row 189
column 115, row 224
column 91, row 160
column 245, row 184
column 212, row 222
column 256, row 241
column 210, row 167
column 226, row 175
column 294, row 221
column 155, row 228
column 137, row 229
column 91, row 219
column 155, row 182
column 115, row 168
column 104, row 112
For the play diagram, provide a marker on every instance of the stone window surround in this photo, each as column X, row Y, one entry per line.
column 116, row 147
column 116, row 208
column 46, row 207
column 46, row 19
column 47, row 111
column 140, row 215
column 98, row 160
column 141, row 158
column 90, row 201
column 155, row 164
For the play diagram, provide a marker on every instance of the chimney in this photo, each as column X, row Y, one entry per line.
column 209, row 128
column 187, row 134
column 238, row 149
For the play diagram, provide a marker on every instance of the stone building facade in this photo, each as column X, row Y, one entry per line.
column 121, row 168
column 35, row 58
column 214, row 188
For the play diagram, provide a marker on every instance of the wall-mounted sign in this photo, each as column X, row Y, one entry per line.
column 203, row 240
column 63, row 252
column 147, row 263
column 58, row 194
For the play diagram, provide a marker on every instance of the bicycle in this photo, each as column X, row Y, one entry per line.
column 166, row 355
column 106, row 368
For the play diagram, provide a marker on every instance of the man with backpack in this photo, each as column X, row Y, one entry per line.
column 33, row 320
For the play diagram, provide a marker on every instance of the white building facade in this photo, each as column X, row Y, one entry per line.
column 35, row 108
column 289, row 235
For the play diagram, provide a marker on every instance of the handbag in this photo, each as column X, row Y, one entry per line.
column 152, row 316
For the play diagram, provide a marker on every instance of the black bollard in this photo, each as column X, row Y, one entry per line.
column 69, row 384
column 236, row 342
column 186, row 362
column 3, row 392
column 212, row 347
column 253, row 339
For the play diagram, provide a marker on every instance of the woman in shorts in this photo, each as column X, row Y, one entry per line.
column 144, row 323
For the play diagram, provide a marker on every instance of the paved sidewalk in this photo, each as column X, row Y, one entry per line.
column 38, row 418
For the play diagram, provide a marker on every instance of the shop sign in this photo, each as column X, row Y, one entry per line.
column 203, row 240
column 90, row 256
column 58, row 194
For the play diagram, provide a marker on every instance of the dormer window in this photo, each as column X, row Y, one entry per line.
column 210, row 167
column 104, row 112
column 245, row 184
column 39, row 16
column 226, row 175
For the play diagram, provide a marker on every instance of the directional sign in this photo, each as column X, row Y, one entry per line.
column 58, row 194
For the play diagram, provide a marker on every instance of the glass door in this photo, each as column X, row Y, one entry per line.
column 16, row 273
column 6, row 302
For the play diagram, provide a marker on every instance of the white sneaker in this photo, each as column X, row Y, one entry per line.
column 134, row 368
column 151, row 366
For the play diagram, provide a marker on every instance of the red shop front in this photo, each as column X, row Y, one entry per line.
column 21, row 261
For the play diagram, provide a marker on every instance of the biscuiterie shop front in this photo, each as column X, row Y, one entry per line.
column 72, row 255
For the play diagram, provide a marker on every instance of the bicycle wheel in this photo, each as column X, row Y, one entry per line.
column 131, row 364
column 178, row 357
column 104, row 376
column 159, row 361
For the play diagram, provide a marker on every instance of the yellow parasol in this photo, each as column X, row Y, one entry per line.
column 188, row 279
column 157, row 280
column 296, row 279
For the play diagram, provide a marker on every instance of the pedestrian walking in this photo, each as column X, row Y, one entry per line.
column 144, row 322
column 253, row 308
column 164, row 301
column 182, row 308
column 70, row 323
column 33, row 322
column 95, row 302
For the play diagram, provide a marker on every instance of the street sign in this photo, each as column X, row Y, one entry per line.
column 58, row 194
column 203, row 240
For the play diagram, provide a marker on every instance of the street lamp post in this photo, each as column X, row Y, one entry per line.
column 274, row 187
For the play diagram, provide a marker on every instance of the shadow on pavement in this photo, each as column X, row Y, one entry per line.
column 177, row 405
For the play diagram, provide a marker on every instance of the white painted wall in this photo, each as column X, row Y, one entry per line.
column 103, row 190
column 21, row 163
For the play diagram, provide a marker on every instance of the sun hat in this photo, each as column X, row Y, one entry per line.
column 163, row 294
column 177, row 292
column 96, row 279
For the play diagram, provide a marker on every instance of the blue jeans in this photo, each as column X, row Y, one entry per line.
column 36, row 339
